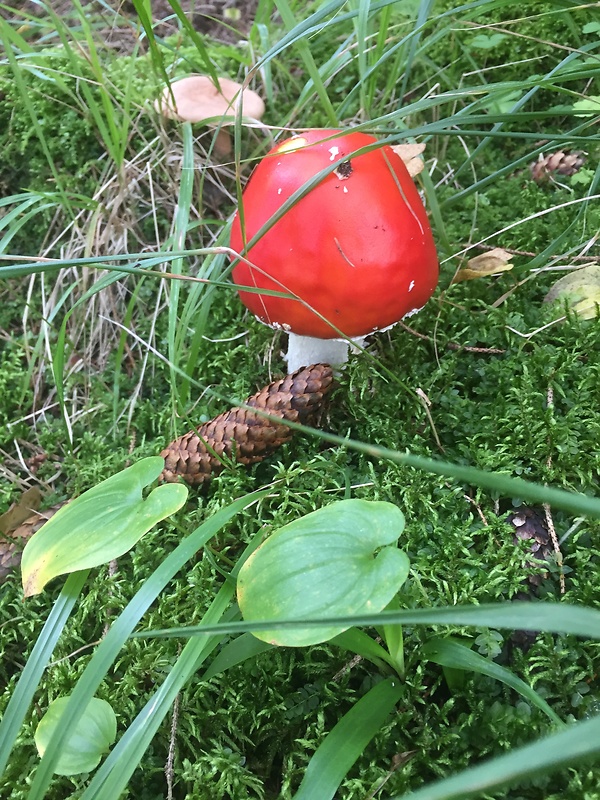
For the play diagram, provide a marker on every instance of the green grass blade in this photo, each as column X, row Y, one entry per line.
column 236, row 652
column 122, row 628
column 552, row 617
column 37, row 662
column 196, row 39
column 182, row 217
column 453, row 654
column 544, row 756
column 304, row 49
column 357, row 641
column 114, row 774
column 347, row 741
column 112, row 777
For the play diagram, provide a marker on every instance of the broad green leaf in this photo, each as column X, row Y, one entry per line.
column 347, row 741
column 93, row 734
column 580, row 288
column 450, row 653
column 101, row 524
column 339, row 560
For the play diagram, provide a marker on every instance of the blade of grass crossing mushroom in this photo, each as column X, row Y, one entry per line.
column 19, row 703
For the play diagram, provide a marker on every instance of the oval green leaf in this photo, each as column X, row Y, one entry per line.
column 580, row 289
column 93, row 734
column 101, row 524
column 340, row 560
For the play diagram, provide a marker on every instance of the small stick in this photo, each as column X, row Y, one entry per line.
column 453, row 345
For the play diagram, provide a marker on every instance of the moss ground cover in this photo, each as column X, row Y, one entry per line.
column 94, row 376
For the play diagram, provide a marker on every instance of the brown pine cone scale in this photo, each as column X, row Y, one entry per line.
column 244, row 436
column 562, row 162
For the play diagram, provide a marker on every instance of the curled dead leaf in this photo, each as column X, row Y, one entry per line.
column 491, row 263
column 20, row 510
column 411, row 155
column 580, row 289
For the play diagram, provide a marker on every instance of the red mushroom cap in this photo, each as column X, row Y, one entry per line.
column 357, row 248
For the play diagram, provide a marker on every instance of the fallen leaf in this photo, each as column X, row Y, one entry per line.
column 411, row 155
column 580, row 289
column 20, row 510
column 492, row 263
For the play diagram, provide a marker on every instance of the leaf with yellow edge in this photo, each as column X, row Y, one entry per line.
column 101, row 524
column 580, row 289
column 492, row 263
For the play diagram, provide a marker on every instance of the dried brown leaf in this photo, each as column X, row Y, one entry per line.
column 411, row 155
column 17, row 514
column 492, row 263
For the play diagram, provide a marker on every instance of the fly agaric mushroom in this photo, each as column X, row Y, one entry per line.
column 197, row 99
column 356, row 251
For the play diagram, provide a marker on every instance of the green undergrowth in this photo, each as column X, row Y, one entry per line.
column 484, row 376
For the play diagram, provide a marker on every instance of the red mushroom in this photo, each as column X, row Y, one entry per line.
column 356, row 252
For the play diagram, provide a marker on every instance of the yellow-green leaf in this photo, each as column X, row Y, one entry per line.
column 101, row 524
column 91, row 737
column 580, row 289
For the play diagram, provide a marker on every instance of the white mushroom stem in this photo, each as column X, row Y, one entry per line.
column 306, row 350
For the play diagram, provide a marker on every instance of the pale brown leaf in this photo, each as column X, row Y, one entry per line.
column 411, row 155
column 492, row 263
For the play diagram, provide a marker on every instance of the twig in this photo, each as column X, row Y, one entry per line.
column 169, row 770
column 533, row 255
column 426, row 403
column 547, row 512
column 453, row 345
column 556, row 545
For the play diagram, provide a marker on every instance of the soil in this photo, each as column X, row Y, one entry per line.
column 222, row 20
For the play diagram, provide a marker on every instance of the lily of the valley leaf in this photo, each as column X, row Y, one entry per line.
column 101, row 524
column 86, row 743
column 580, row 289
column 340, row 560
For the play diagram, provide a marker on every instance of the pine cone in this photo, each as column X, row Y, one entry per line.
column 245, row 436
column 563, row 162
column 12, row 544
